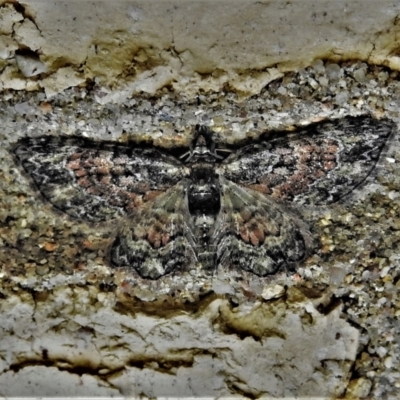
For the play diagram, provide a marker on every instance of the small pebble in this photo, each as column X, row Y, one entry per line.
column 273, row 292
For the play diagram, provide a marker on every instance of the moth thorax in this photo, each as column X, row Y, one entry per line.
column 204, row 198
column 204, row 191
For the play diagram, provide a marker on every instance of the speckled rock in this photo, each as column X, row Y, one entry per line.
column 70, row 324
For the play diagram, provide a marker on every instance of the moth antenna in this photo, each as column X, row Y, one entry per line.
column 225, row 150
column 185, row 154
column 217, row 155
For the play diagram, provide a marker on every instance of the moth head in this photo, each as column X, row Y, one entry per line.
column 202, row 146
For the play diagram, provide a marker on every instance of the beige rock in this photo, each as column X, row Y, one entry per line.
column 11, row 78
column 27, row 34
column 128, row 42
column 7, row 47
column 273, row 292
column 62, row 79
column 52, row 382
column 8, row 17
column 201, row 359
column 358, row 388
column 30, row 65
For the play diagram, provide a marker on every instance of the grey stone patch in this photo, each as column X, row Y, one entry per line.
column 185, row 355
column 30, row 65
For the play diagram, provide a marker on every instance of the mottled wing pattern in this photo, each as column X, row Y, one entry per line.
column 316, row 165
column 255, row 233
column 96, row 181
column 252, row 231
column 157, row 239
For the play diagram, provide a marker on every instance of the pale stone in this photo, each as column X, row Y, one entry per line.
column 26, row 33
column 384, row 271
column 251, row 84
column 52, row 383
column 61, row 80
column 30, row 65
column 122, row 34
column 12, row 79
column 358, row 388
column 203, row 353
column 151, row 81
column 341, row 98
column 359, row 75
column 8, row 17
column 273, row 292
column 388, row 362
column 7, row 47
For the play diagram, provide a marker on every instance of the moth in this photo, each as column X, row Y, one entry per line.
column 206, row 206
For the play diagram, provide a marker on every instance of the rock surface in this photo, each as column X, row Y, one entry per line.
column 141, row 71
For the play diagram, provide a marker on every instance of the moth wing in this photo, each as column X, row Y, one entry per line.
column 96, row 181
column 255, row 233
column 158, row 238
column 316, row 165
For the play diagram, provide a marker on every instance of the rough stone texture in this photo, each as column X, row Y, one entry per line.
column 203, row 353
column 71, row 326
column 144, row 46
